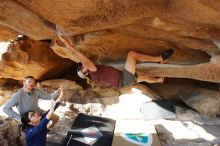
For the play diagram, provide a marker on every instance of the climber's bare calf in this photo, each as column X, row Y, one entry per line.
column 134, row 57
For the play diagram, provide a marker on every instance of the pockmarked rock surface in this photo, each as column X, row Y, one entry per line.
column 106, row 30
column 9, row 133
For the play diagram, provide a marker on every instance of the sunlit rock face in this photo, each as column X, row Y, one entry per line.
column 29, row 57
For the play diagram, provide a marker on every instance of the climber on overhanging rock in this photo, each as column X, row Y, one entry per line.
column 117, row 78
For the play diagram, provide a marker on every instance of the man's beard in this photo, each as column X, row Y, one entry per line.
column 30, row 88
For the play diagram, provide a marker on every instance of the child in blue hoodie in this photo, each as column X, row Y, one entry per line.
column 35, row 125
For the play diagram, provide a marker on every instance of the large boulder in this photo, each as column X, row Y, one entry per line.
column 29, row 57
column 10, row 134
column 205, row 101
column 106, row 30
column 184, row 17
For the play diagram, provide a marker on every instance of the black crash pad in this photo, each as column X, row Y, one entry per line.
column 84, row 122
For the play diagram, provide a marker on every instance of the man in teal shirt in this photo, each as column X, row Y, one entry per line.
column 26, row 99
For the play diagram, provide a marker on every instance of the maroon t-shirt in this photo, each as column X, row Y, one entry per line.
column 107, row 74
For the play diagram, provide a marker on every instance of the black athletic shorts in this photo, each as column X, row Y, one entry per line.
column 128, row 78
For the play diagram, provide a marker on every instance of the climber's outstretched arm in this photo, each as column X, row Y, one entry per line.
column 86, row 62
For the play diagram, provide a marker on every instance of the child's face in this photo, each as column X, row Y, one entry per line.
column 34, row 118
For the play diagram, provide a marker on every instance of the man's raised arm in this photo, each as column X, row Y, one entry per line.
column 86, row 62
